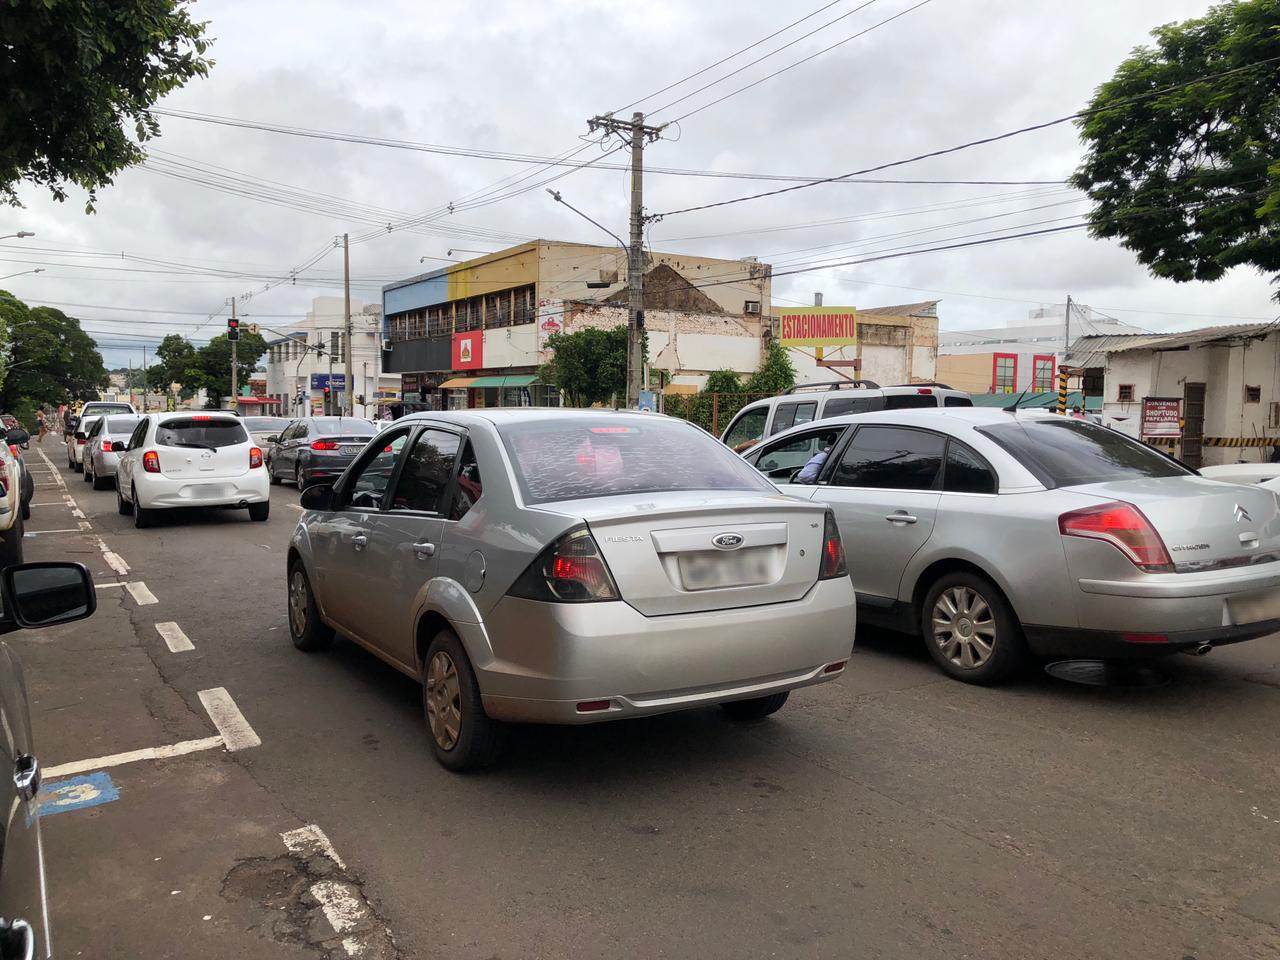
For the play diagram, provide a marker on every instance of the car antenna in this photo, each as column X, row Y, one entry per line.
column 1013, row 407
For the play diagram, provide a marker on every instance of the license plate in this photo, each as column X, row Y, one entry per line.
column 708, row 571
column 1254, row 607
column 350, row 448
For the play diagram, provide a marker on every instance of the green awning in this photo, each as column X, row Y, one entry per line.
column 511, row 380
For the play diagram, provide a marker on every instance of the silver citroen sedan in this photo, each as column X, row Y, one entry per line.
column 569, row 566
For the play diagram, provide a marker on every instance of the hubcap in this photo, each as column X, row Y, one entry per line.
column 964, row 627
column 444, row 701
column 298, row 603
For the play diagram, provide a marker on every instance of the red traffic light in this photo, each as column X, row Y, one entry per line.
column 233, row 324
column 326, row 391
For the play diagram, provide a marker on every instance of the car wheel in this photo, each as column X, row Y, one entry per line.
column 26, row 509
column 970, row 630
column 259, row 511
column 757, row 708
column 462, row 734
column 88, row 471
column 143, row 517
column 123, row 506
column 11, row 547
column 307, row 630
column 77, row 467
column 271, row 475
column 101, row 483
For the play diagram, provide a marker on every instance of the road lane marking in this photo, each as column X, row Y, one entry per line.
column 132, row 756
column 343, row 908
column 141, row 595
column 226, row 716
column 174, row 637
column 105, row 586
column 57, row 477
column 76, row 793
column 310, row 841
column 114, row 560
column 40, row 533
column 49, row 503
column 297, row 507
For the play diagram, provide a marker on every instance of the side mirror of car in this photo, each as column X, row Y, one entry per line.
column 117, row 446
column 274, row 438
column 44, row 594
column 17, row 436
column 318, row 496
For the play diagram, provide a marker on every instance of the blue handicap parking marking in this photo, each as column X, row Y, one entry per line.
column 76, row 793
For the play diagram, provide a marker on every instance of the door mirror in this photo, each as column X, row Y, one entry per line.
column 274, row 438
column 117, row 446
column 44, row 594
column 318, row 496
column 17, row 436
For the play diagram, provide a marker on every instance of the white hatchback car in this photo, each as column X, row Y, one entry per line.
column 190, row 460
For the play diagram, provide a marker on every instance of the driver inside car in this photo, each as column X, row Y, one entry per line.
column 809, row 472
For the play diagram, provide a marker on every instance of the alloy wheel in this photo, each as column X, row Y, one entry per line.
column 298, row 602
column 964, row 627
column 444, row 700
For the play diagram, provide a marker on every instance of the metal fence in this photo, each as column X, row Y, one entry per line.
column 711, row 411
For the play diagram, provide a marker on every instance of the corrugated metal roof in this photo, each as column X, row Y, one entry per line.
column 1091, row 351
column 925, row 308
column 1191, row 338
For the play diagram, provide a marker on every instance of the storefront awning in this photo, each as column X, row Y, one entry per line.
column 510, row 380
column 458, row 383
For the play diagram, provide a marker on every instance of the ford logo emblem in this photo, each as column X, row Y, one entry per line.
column 727, row 541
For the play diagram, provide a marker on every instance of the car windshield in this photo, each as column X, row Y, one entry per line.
column 260, row 424
column 571, row 458
column 343, row 426
column 1065, row 453
column 97, row 409
column 122, row 424
column 201, row 432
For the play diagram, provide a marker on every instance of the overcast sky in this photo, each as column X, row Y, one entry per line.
column 523, row 78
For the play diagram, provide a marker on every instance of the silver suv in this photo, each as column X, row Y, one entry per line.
column 818, row 401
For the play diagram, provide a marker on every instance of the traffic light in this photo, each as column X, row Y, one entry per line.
column 233, row 329
column 326, row 393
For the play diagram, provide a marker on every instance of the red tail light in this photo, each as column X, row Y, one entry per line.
column 151, row 462
column 833, row 562
column 106, row 446
column 13, row 448
column 255, row 457
column 1123, row 526
column 80, row 438
column 571, row 570
column 925, row 391
column 324, row 445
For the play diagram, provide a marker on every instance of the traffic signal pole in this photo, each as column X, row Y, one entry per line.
column 235, row 329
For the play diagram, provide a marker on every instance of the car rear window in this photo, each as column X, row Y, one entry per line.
column 1064, row 453
column 122, row 424
column 205, row 432
column 572, row 458
column 344, row 427
column 98, row 409
column 266, row 423
column 957, row 402
column 909, row 401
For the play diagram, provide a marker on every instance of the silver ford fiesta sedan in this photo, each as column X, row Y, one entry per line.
column 569, row 566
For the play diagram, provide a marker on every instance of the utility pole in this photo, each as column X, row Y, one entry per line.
column 637, row 133
column 234, row 372
column 144, row 379
column 1066, row 328
column 131, row 381
column 348, row 374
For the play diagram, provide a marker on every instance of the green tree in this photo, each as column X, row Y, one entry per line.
column 51, row 360
column 213, row 364
column 80, row 77
column 132, row 376
column 590, row 366
column 775, row 374
column 722, row 381
column 176, row 361
column 1189, row 180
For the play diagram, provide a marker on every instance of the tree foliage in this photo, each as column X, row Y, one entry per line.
column 79, row 77
column 590, row 366
column 51, row 360
column 176, row 361
column 775, row 373
column 1189, row 180
column 213, row 364
column 722, row 381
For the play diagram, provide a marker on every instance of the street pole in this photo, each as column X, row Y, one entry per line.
column 234, row 344
column 144, row 379
column 1066, row 328
column 637, row 133
column 131, row 381
column 349, row 375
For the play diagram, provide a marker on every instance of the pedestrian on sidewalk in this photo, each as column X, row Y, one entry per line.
column 41, row 428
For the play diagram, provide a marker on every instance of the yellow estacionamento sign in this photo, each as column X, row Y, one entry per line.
column 817, row 326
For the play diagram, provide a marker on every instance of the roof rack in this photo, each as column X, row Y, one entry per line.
column 927, row 383
column 833, row 385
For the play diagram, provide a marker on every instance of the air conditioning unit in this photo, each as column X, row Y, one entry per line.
column 386, row 345
column 751, row 306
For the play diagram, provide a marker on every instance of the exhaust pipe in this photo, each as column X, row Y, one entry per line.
column 1200, row 649
column 245, row 503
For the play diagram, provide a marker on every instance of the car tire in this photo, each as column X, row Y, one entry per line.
column 26, row 509
column 123, row 506
column 143, row 517
column 77, row 467
column 462, row 735
column 308, row 632
column 271, row 475
column 11, row 547
column 88, row 472
column 259, row 511
column 101, row 483
column 757, row 708
column 975, row 636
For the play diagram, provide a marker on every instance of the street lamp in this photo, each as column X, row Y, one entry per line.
column 20, row 235
column 23, row 273
column 450, row 253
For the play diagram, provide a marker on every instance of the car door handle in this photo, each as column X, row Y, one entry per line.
column 900, row 517
column 424, row 550
column 359, row 541
column 26, row 776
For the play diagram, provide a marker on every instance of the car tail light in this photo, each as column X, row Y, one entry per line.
column 324, row 445
column 13, row 448
column 255, row 457
column 1123, row 526
column 1144, row 637
column 571, row 570
column 201, row 416
column 833, row 562
column 151, row 462
column 80, row 438
column 106, row 446
column 593, row 706
column 925, row 391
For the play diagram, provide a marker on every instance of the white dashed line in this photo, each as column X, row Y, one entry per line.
column 226, row 716
column 57, row 477
column 310, row 841
column 342, row 902
column 107, row 586
column 147, row 753
column 141, row 595
column 342, row 906
column 174, row 637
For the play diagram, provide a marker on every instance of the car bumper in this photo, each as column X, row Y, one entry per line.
column 548, row 658
column 164, row 492
column 79, row 453
column 326, row 470
column 105, row 464
column 1065, row 642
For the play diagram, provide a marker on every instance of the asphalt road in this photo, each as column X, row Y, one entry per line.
column 894, row 813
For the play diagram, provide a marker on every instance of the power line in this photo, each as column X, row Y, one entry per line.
column 973, row 143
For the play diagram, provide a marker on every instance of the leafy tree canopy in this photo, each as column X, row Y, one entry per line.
column 775, row 374
column 590, row 366
column 52, row 361
column 177, row 361
column 213, row 363
column 76, row 74
column 722, row 381
column 1189, row 180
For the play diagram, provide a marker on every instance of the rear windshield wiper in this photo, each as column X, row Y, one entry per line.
column 193, row 446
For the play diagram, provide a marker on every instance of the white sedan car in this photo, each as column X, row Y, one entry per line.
column 190, row 460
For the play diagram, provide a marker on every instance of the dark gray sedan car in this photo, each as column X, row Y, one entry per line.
column 317, row 449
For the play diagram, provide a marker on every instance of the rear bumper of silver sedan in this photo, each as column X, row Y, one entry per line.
column 586, row 663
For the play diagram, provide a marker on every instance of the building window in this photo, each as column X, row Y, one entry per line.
column 497, row 309
column 1125, row 393
column 1042, row 374
column 1252, row 394
column 468, row 314
column 526, row 309
column 1004, row 372
column 440, row 320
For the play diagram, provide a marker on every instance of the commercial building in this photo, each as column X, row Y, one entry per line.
column 895, row 344
column 305, row 358
column 475, row 334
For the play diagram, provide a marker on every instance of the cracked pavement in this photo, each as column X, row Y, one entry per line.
column 891, row 814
